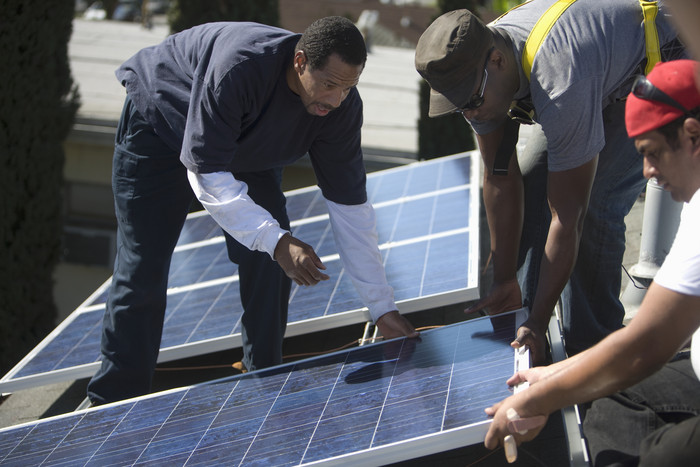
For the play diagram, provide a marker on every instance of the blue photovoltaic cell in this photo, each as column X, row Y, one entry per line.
column 427, row 232
column 380, row 400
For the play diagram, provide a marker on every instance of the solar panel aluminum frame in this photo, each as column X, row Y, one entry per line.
column 380, row 454
column 10, row 383
column 399, row 451
column 573, row 428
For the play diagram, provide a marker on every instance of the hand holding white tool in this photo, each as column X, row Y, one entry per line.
column 520, row 426
column 515, row 423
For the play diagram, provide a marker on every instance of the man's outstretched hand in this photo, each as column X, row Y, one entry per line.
column 393, row 325
column 299, row 261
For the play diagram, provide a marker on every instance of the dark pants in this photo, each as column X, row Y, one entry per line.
column 264, row 286
column 653, row 423
column 152, row 198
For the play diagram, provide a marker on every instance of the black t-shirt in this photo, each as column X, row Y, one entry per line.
column 218, row 95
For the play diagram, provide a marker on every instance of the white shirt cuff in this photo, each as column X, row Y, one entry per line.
column 355, row 233
column 226, row 200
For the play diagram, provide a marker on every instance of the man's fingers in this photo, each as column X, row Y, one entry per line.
column 307, row 274
column 393, row 324
column 317, row 261
column 523, row 425
column 524, row 337
column 516, row 344
column 490, row 411
column 515, row 380
column 304, row 277
column 314, row 276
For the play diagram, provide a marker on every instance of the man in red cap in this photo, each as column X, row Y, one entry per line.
column 657, row 420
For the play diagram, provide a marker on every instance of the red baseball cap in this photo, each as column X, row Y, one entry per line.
column 675, row 78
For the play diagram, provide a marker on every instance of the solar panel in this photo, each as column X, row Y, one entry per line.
column 427, row 222
column 369, row 405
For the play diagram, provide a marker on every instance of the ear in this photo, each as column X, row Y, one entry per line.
column 692, row 128
column 498, row 58
column 300, row 61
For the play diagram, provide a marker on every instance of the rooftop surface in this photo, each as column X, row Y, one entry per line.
column 388, row 85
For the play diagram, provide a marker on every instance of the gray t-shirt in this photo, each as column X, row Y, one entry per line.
column 218, row 95
column 588, row 59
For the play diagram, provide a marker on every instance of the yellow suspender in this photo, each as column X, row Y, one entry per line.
column 547, row 20
column 540, row 31
column 651, row 36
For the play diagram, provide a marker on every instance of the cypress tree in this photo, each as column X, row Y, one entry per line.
column 38, row 101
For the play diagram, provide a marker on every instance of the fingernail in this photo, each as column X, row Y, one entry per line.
column 511, row 449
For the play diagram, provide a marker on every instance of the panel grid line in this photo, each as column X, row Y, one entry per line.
column 335, row 290
column 218, row 412
column 26, row 436
column 267, row 416
column 78, row 344
column 160, row 428
column 432, row 225
column 116, row 427
column 386, row 396
column 401, row 204
column 325, row 406
column 449, row 384
column 211, row 307
column 63, row 439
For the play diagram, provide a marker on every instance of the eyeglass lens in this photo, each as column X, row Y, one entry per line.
column 476, row 100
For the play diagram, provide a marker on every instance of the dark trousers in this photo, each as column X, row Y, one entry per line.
column 152, row 198
column 653, row 423
column 264, row 287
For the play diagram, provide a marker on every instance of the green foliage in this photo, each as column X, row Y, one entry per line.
column 184, row 14
column 501, row 6
column 450, row 134
column 38, row 101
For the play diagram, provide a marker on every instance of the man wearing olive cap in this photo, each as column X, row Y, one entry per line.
column 657, row 421
column 556, row 214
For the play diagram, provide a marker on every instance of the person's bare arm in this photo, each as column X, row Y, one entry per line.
column 664, row 323
column 503, row 200
column 568, row 193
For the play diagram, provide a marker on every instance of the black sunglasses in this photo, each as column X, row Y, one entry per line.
column 477, row 99
column 644, row 89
